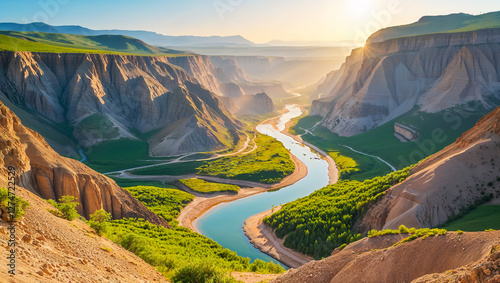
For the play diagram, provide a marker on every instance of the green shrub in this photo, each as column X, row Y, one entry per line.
column 19, row 204
column 414, row 233
column 99, row 221
column 66, row 207
column 201, row 273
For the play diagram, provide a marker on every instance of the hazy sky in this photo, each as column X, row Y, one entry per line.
column 257, row 20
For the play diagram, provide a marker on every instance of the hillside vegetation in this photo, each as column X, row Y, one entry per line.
column 171, row 250
column 481, row 218
column 317, row 224
column 167, row 203
column 175, row 251
column 71, row 43
column 440, row 24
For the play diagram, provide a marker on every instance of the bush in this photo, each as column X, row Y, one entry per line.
column 99, row 221
column 19, row 204
column 66, row 207
column 201, row 273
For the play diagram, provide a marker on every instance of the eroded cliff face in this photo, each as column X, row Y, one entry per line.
column 381, row 81
column 258, row 104
column 44, row 172
column 445, row 184
column 130, row 92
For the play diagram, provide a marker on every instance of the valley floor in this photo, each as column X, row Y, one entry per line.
column 203, row 202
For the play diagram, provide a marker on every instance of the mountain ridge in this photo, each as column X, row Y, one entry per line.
column 147, row 36
column 144, row 93
column 459, row 22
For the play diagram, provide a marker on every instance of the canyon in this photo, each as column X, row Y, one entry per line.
column 177, row 101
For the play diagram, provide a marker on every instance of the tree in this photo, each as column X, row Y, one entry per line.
column 99, row 221
column 18, row 203
column 66, row 208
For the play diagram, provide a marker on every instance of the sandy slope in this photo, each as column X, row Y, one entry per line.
column 51, row 249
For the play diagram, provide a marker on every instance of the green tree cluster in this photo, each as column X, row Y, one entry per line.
column 317, row 224
column 99, row 221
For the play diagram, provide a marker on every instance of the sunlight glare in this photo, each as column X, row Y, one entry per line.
column 359, row 7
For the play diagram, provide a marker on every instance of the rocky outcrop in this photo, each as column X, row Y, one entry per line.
column 445, row 184
column 42, row 171
column 130, row 93
column 382, row 81
column 407, row 133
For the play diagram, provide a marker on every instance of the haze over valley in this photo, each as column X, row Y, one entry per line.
column 334, row 141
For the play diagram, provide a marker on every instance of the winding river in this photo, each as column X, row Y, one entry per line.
column 223, row 223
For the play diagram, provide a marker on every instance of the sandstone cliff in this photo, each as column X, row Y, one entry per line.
column 129, row 93
column 445, row 184
column 44, row 172
column 382, row 81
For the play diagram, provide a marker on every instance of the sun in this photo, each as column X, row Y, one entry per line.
column 359, row 7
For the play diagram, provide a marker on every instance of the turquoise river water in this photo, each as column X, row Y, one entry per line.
column 224, row 223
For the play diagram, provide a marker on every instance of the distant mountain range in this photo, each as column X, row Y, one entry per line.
column 72, row 43
column 439, row 24
column 152, row 38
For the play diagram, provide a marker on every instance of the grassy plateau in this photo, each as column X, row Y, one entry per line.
column 205, row 187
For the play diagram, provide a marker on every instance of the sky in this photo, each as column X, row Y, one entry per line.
column 257, row 20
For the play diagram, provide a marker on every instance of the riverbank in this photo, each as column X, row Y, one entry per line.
column 203, row 203
column 333, row 171
column 264, row 239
